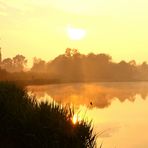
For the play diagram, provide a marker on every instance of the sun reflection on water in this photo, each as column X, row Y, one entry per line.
column 76, row 119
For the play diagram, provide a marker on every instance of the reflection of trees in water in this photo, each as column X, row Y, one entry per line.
column 97, row 94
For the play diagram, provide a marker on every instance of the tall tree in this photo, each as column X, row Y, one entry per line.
column 19, row 62
column 7, row 64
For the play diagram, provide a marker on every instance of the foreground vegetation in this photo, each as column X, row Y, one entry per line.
column 26, row 124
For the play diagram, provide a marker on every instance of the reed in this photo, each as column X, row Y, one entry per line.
column 26, row 123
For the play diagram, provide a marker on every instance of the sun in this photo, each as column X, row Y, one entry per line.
column 75, row 33
column 75, row 119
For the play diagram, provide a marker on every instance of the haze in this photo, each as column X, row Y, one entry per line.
column 39, row 28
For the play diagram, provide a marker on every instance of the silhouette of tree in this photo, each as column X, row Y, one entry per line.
column 39, row 65
column 71, row 52
column 72, row 66
column 7, row 64
column 19, row 63
column 125, row 71
column 68, row 52
column 132, row 62
column 143, row 71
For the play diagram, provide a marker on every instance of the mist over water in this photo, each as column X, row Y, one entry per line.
column 118, row 109
column 99, row 95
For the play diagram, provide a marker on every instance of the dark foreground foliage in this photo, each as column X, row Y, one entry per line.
column 26, row 124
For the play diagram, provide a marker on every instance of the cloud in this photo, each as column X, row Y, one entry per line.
column 13, row 7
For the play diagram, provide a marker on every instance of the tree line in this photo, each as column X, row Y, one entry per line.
column 72, row 66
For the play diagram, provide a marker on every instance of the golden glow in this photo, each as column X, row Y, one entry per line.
column 75, row 33
column 118, row 28
column 75, row 119
column 125, row 112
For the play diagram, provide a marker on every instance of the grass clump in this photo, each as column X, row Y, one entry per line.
column 27, row 124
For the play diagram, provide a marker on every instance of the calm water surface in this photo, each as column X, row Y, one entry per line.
column 119, row 110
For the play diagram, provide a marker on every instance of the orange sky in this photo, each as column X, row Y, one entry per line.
column 40, row 28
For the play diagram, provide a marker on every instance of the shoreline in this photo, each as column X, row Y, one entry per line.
column 51, row 82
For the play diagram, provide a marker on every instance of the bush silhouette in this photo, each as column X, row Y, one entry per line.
column 24, row 123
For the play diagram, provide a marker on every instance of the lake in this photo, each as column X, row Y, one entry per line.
column 119, row 110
